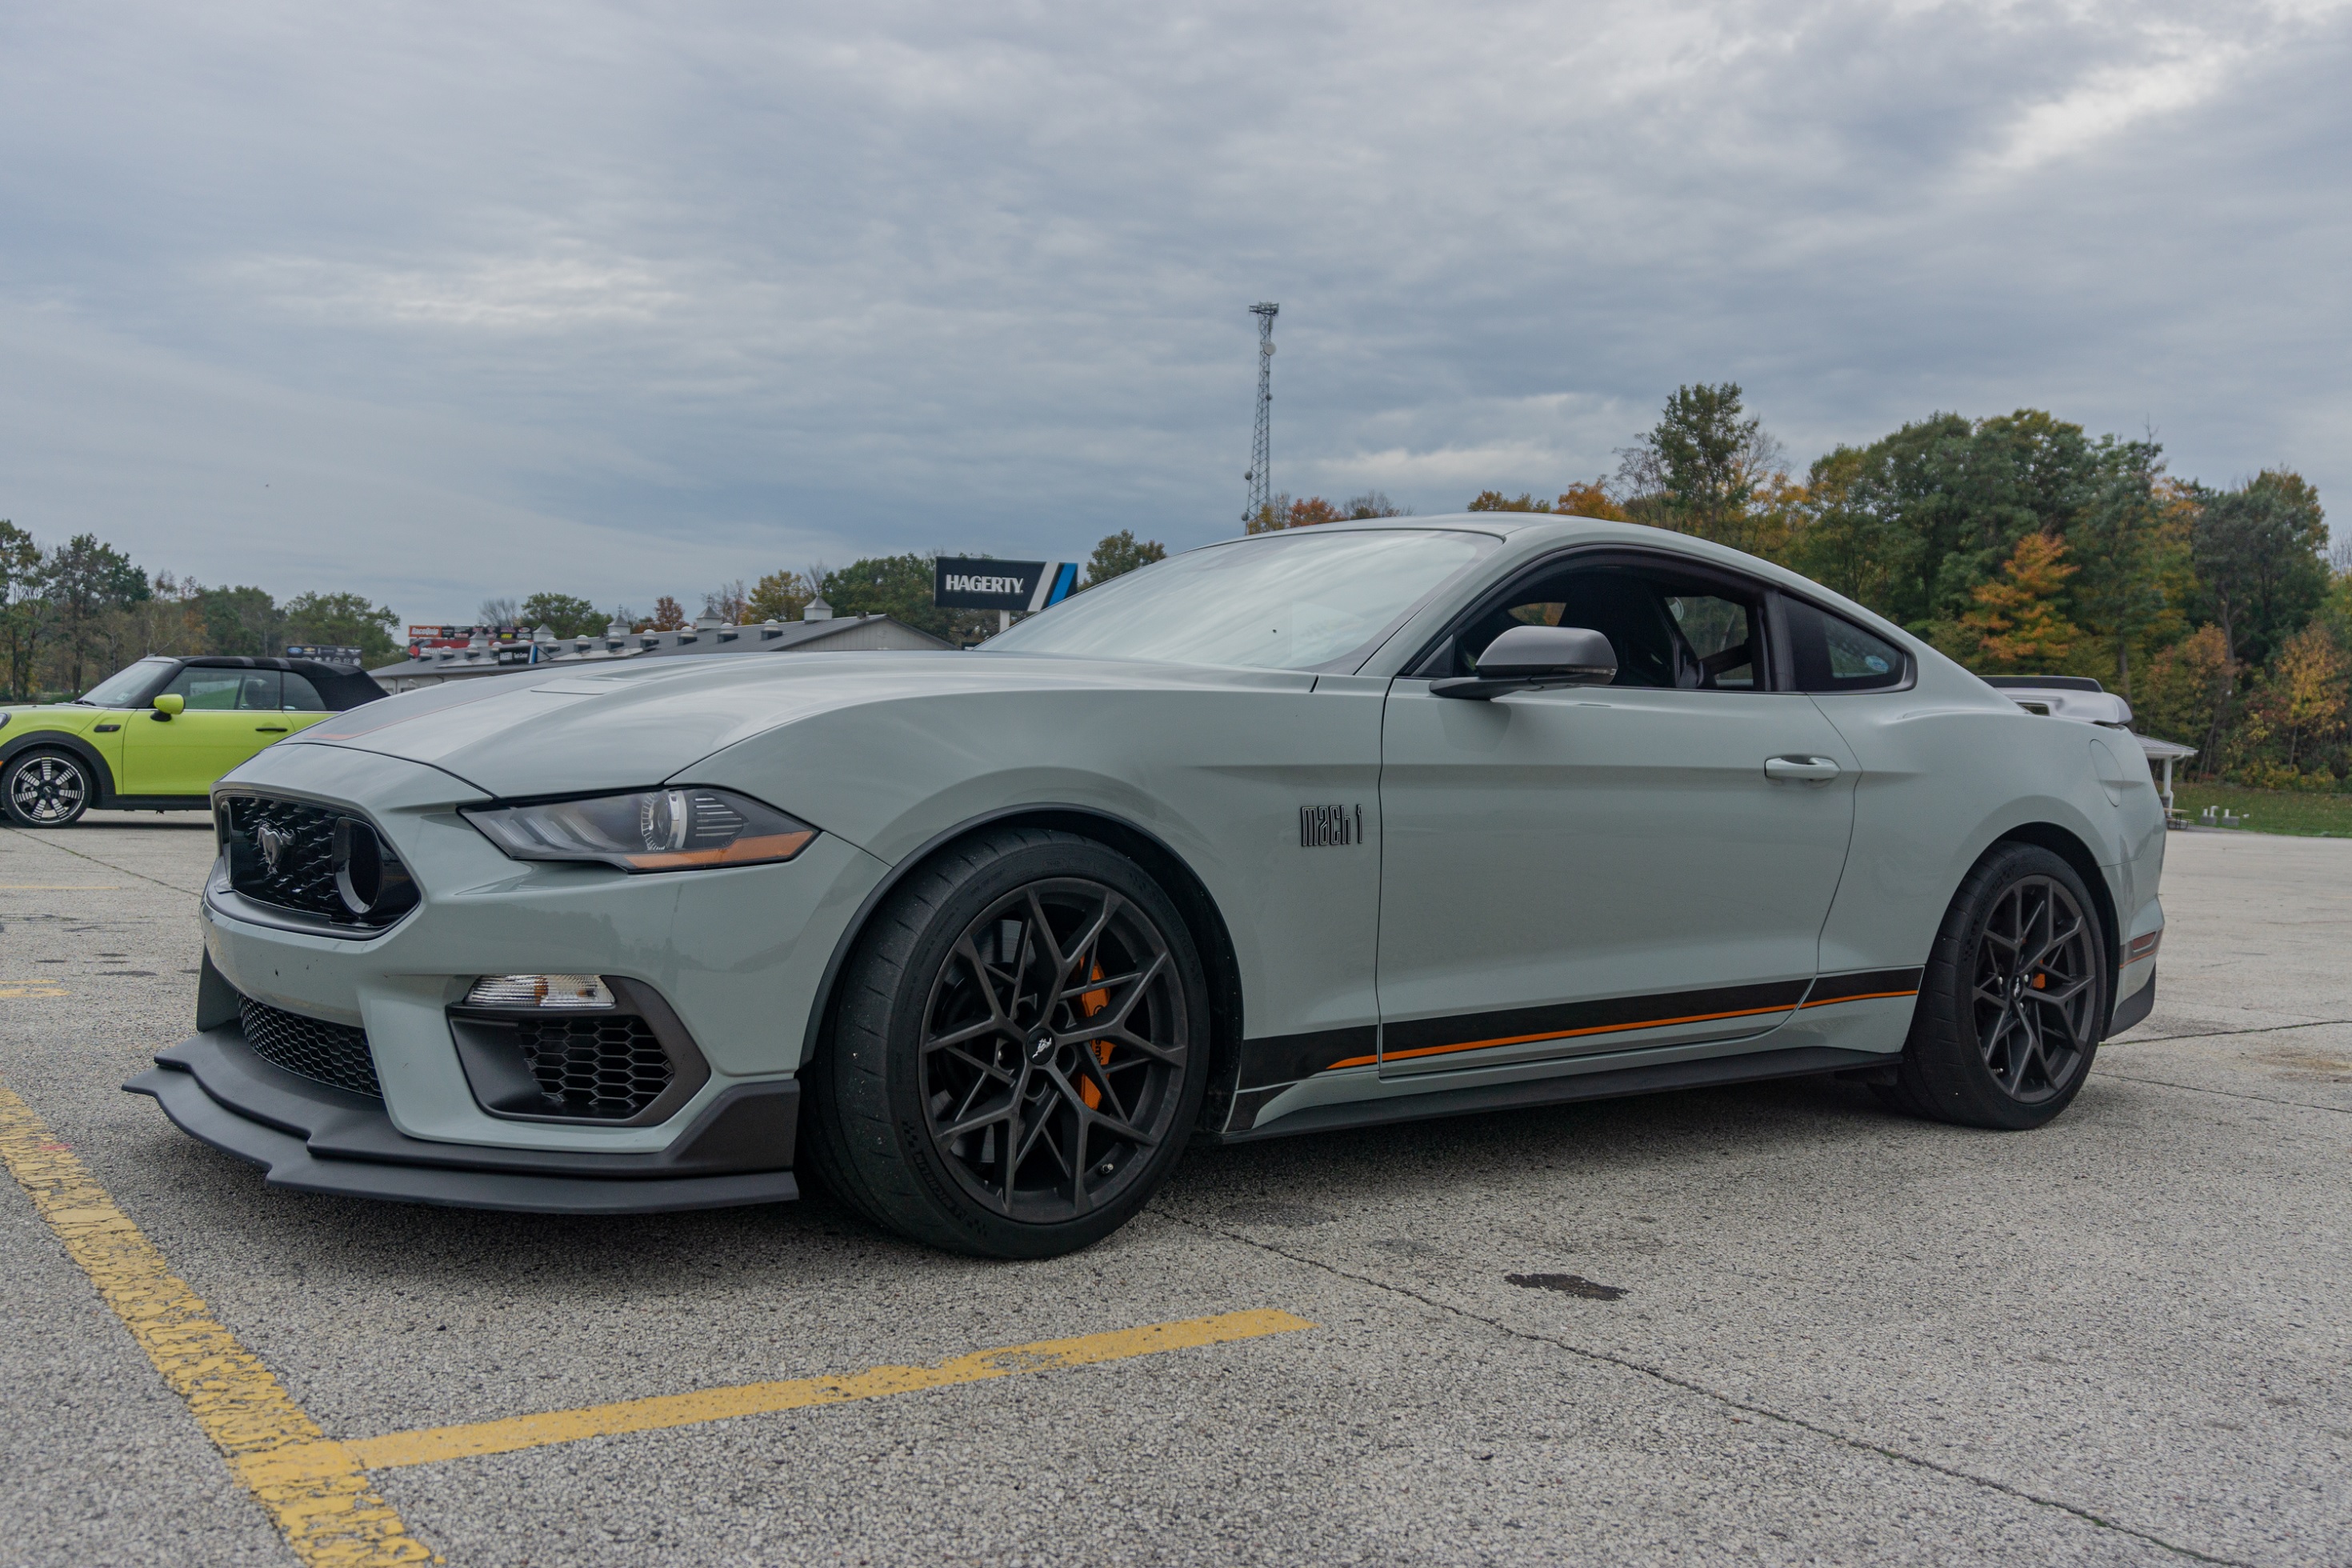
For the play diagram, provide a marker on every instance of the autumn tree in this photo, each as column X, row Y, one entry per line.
column 1578, row 500
column 563, row 614
column 726, row 602
column 2016, row 622
column 669, row 615
column 1370, row 504
column 23, row 609
column 1593, row 500
column 1121, row 552
column 340, row 620
column 1843, row 538
column 781, row 596
column 1283, row 512
column 2296, row 714
column 85, row 582
column 2189, row 694
column 901, row 586
column 2259, row 552
column 2129, row 542
column 1703, row 467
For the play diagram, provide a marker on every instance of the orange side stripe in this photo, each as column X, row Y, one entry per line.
column 1865, row 996
column 1561, row 1035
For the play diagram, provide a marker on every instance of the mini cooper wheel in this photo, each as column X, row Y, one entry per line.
column 46, row 789
column 1019, row 1052
column 2014, row 999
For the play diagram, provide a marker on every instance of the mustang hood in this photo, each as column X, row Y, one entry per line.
column 556, row 730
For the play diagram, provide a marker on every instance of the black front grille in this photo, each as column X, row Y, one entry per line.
column 607, row 1068
column 332, row 1054
column 312, row 859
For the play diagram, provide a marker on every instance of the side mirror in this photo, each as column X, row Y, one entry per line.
column 1528, row 659
column 170, row 705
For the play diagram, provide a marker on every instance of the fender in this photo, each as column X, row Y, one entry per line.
column 1186, row 887
column 58, row 740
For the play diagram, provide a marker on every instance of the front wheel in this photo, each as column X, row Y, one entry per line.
column 1019, row 1051
column 2013, row 998
column 46, row 789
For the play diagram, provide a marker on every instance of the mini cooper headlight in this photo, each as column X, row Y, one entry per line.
column 647, row 830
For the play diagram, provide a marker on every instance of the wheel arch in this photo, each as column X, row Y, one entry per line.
column 59, row 741
column 1203, row 920
column 2060, row 842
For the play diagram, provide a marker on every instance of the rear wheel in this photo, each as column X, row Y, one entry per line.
column 2013, row 998
column 46, row 789
column 1019, row 1052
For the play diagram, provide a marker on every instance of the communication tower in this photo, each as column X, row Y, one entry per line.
column 1260, row 475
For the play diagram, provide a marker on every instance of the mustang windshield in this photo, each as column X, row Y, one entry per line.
column 1294, row 600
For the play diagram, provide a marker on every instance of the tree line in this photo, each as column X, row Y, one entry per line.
column 2021, row 544
column 2017, row 544
column 74, row 613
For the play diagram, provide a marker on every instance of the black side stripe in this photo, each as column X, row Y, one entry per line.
column 1470, row 1031
column 1286, row 1058
column 1864, row 982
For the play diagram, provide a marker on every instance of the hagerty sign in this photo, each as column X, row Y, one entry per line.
column 981, row 582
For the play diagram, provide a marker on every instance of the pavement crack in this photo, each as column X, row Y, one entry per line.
column 1717, row 1397
column 2226, row 1034
column 119, row 870
column 2226, row 1093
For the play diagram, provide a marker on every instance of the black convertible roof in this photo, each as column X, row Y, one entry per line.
column 339, row 684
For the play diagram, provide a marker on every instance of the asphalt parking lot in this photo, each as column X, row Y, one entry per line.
column 1777, row 1323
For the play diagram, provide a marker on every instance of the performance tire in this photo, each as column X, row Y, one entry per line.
column 1018, row 1052
column 46, row 789
column 2013, row 1000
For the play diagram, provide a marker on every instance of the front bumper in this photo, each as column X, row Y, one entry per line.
column 315, row 1139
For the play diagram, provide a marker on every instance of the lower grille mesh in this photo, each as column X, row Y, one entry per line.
column 601, row 1067
column 333, row 1054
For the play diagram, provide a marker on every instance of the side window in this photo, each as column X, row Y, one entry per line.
column 1722, row 637
column 1832, row 654
column 207, row 691
column 260, row 688
column 1668, row 633
column 301, row 697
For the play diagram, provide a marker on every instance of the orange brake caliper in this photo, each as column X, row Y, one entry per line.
column 1092, row 1002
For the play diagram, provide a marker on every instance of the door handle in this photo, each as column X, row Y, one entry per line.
column 1800, row 770
column 269, row 729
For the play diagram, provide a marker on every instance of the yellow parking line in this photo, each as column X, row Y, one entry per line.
column 32, row 988
column 328, row 1514
column 294, row 1465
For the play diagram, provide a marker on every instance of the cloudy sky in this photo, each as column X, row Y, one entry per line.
column 441, row 300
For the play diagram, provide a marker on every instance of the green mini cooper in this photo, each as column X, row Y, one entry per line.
column 156, row 736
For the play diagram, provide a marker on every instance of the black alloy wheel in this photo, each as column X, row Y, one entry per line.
column 1019, row 1051
column 2014, row 998
column 1053, row 1045
column 2035, row 989
column 46, row 789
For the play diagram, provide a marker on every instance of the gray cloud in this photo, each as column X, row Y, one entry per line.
column 442, row 300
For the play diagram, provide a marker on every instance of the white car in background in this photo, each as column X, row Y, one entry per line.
column 1321, row 829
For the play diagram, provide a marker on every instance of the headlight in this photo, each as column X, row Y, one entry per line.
column 647, row 830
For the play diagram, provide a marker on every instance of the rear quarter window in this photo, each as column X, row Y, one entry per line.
column 1832, row 654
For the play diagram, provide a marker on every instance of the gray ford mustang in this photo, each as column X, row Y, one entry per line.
column 1322, row 828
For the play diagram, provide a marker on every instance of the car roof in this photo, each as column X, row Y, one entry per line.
column 239, row 661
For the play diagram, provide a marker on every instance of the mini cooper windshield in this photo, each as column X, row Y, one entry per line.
column 1289, row 601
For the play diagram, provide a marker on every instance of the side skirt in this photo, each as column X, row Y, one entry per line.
column 1755, row 1067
